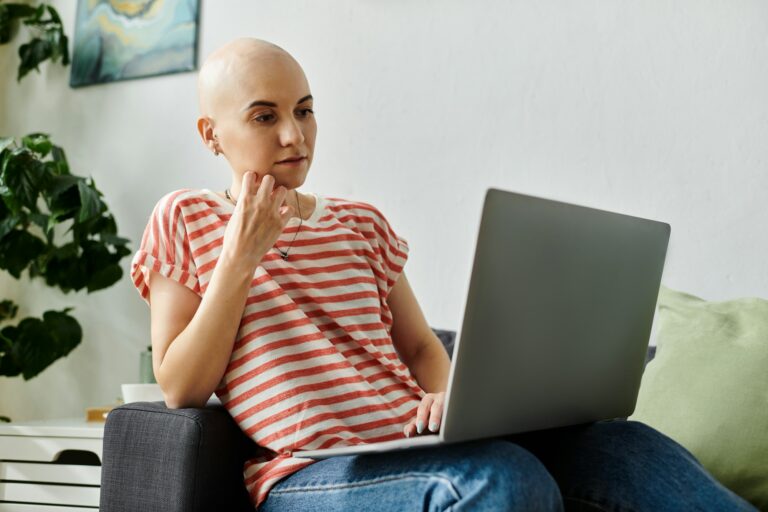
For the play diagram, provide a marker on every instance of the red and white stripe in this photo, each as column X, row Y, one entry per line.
column 313, row 364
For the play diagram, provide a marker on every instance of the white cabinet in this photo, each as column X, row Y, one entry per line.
column 50, row 466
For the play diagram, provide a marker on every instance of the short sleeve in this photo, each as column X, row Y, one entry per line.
column 165, row 248
column 393, row 250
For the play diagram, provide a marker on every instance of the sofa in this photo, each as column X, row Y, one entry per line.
column 160, row 459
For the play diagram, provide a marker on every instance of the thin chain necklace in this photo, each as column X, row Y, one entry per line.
column 301, row 221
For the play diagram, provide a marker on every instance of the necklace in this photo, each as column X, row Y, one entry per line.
column 301, row 221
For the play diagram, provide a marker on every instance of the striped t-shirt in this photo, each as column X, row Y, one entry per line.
column 313, row 364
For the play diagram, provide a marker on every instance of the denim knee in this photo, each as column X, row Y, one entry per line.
column 508, row 477
column 642, row 438
column 628, row 464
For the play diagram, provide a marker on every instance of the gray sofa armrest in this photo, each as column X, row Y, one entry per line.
column 160, row 459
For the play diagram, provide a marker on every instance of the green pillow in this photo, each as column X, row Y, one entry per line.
column 707, row 387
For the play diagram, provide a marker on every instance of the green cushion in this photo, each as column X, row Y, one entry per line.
column 707, row 387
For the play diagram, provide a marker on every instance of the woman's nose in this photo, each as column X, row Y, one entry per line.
column 291, row 133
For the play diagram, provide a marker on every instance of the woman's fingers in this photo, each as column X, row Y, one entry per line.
column 429, row 415
column 274, row 195
column 249, row 186
column 246, row 186
column 265, row 188
column 286, row 212
column 410, row 428
column 271, row 197
column 260, row 217
column 436, row 412
column 422, row 415
column 278, row 195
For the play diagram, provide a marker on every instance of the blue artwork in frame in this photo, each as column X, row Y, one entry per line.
column 124, row 39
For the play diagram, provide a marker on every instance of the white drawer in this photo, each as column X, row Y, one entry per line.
column 44, row 449
column 50, row 473
column 48, row 493
column 28, row 507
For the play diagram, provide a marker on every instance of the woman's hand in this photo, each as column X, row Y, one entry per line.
column 259, row 218
column 429, row 415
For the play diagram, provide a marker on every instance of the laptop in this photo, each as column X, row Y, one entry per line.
column 556, row 325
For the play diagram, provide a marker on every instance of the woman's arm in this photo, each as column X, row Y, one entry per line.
column 192, row 338
column 423, row 353
column 418, row 346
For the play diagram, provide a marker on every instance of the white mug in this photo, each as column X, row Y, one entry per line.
column 141, row 393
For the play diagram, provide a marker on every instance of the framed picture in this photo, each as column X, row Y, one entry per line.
column 133, row 39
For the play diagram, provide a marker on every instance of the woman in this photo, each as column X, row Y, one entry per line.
column 295, row 310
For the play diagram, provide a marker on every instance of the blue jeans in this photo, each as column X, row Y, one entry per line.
column 611, row 465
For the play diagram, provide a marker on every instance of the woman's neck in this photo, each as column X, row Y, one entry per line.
column 306, row 203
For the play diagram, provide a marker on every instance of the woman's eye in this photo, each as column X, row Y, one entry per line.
column 263, row 118
column 306, row 111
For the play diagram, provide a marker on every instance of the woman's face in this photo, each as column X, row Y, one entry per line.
column 267, row 118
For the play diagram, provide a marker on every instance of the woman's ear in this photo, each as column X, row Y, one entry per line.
column 205, row 129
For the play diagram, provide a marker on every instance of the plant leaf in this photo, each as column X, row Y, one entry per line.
column 63, row 197
column 113, row 239
column 64, row 49
column 17, row 249
column 61, row 183
column 41, row 219
column 40, row 343
column 5, row 24
column 9, row 13
column 40, row 143
column 32, row 54
column 21, row 178
column 8, row 220
column 53, row 45
column 104, row 277
column 7, row 225
column 66, row 270
column 90, row 205
column 53, row 14
column 64, row 328
column 9, row 367
column 8, row 310
column 32, row 347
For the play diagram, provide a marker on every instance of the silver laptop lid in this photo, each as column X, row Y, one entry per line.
column 557, row 317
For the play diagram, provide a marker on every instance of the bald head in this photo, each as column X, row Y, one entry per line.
column 236, row 66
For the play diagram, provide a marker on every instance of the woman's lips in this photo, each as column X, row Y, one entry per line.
column 292, row 162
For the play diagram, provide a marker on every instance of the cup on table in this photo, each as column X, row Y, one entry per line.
column 141, row 393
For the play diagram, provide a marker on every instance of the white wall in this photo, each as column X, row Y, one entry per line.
column 655, row 108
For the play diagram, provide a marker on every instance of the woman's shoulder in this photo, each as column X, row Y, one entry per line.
column 185, row 197
column 341, row 205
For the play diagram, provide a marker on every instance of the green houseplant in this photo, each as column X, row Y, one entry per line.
column 48, row 41
column 38, row 194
